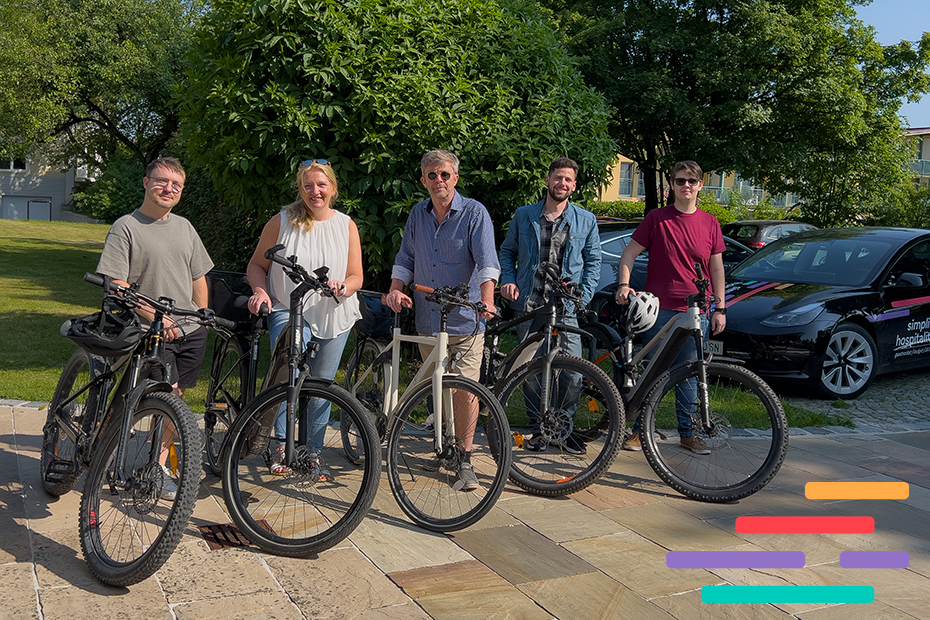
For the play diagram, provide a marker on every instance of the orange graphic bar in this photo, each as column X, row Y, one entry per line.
column 856, row 490
column 805, row 525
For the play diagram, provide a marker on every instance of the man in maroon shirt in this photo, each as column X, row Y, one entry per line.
column 678, row 236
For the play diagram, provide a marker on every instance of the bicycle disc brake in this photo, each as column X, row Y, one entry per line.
column 556, row 425
column 308, row 468
column 717, row 433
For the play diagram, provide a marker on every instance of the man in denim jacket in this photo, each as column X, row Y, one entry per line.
column 555, row 231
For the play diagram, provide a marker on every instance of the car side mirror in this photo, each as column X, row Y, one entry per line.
column 909, row 279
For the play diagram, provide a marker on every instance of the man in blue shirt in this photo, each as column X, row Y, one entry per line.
column 448, row 240
column 559, row 232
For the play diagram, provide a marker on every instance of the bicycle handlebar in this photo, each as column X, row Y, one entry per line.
column 319, row 281
column 450, row 296
column 205, row 316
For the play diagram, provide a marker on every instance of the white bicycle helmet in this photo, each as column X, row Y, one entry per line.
column 642, row 313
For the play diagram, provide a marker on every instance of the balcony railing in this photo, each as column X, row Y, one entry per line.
column 921, row 167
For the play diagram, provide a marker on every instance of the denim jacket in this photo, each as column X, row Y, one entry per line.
column 519, row 255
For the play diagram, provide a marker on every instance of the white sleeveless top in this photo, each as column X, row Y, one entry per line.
column 327, row 243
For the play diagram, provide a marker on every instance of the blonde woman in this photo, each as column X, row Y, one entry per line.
column 319, row 236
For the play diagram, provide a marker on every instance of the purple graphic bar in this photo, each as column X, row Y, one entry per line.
column 734, row 559
column 874, row 559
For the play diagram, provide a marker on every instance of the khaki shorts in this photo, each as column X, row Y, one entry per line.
column 471, row 349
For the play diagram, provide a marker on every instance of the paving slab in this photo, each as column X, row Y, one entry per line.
column 599, row 553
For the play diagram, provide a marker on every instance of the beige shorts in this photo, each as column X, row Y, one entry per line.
column 471, row 349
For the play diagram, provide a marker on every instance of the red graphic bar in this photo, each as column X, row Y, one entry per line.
column 910, row 302
column 730, row 302
column 805, row 525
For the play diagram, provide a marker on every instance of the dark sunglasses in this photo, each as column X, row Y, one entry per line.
column 680, row 181
column 445, row 174
column 307, row 162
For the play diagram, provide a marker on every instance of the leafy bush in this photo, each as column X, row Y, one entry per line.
column 622, row 209
column 117, row 192
column 373, row 84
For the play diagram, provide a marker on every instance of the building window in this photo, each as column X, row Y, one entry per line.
column 641, row 189
column 625, row 187
column 12, row 164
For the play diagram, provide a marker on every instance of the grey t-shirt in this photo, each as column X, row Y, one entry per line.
column 163, row 256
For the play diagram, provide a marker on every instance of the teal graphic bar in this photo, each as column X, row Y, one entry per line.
column 787, row 594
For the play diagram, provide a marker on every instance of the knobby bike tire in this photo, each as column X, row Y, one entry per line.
column 748, row 444
column 57, row 465
column 424, row 483
column 301, row 512
column 585, row 411
column 129, row 533
column 229, row 373
column 370, row 394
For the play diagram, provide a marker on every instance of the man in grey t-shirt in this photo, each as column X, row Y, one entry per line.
column 163, row 253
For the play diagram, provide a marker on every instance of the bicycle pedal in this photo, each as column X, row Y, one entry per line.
column 59, row 468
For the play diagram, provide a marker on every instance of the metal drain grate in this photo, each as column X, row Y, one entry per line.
column 227, row 535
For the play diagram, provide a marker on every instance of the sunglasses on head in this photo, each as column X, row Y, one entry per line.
column 445, row 174
column 307, row 162
column 680, row 181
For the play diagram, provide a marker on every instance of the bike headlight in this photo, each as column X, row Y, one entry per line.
column 793, row 318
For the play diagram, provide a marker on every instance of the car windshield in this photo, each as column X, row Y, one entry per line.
column 836, row 262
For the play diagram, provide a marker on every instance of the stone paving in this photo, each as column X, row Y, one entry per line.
column 893, row 403
column 599, row 553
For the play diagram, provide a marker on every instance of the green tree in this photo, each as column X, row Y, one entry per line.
column 372, row 84
column 769, row 88
column 91, row 78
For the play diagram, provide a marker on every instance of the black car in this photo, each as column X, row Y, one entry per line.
column 832, row 307
column 758, row 233
column 615, row 236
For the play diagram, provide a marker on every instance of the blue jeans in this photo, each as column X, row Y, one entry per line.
column 686, row 391
column 564, row 393
column 324, row 365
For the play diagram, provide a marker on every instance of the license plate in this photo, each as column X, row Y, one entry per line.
column 715, row 347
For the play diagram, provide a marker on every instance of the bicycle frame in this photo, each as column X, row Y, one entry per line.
column 435, row 364
column 119, row 403
column 526, row 350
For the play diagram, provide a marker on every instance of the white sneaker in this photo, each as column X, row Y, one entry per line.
column 169, row 489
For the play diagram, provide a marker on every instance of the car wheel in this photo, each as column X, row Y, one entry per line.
column 848, row 366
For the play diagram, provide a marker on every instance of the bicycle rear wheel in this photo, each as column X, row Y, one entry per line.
column 130, row 525
column 370, row 393
column 229, row 373
column 57, row 465
column 322, row 497
column 426, row 483
column 747, row 444
column 580, row 431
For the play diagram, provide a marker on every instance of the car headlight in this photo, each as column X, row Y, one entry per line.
column 798, row 316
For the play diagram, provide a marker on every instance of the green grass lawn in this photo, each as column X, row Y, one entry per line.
column 42, row 266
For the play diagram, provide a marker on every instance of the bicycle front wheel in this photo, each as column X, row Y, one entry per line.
column 228, row 374
column 745, row 445
column 57, row 464
column 564, row 445
column 369, row 392
column 316, row 500
column 425, row 481
column 131, row 521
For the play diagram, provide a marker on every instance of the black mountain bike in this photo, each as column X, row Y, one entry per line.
column 581, row 416
column 137, row 441
column 318, row 496
column 734, row 412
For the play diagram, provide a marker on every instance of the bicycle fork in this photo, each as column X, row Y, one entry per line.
column 694, row 316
